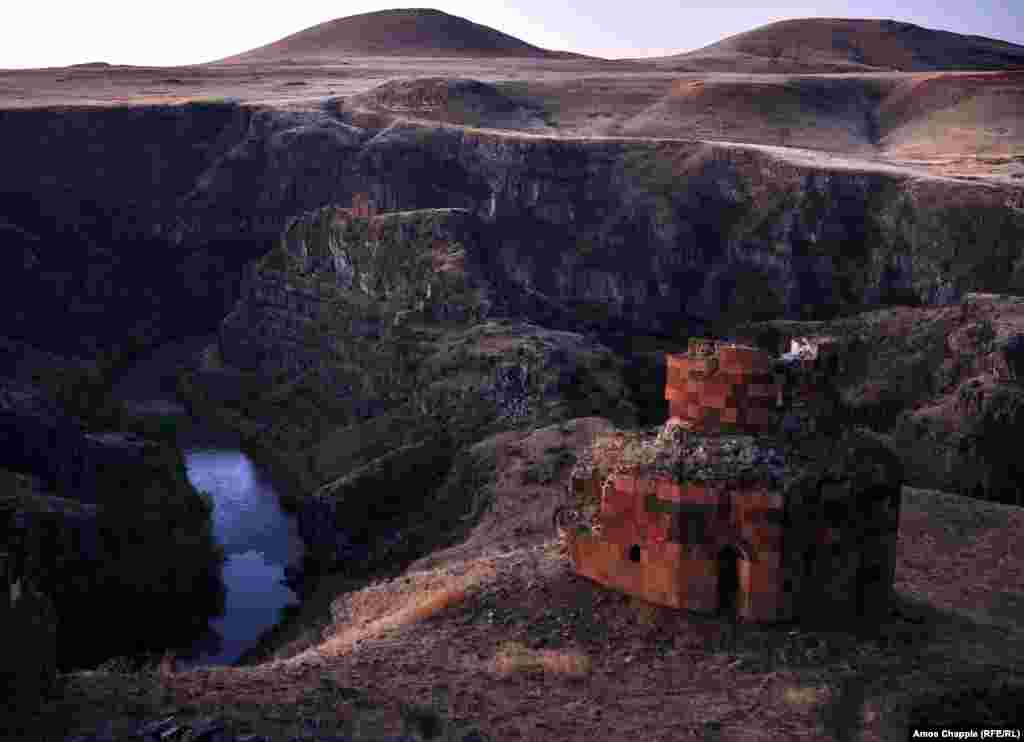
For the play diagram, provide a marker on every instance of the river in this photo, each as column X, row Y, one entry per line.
column 258, row 537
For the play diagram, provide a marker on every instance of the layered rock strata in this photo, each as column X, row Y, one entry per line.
column 359, row 275
column 148, row 214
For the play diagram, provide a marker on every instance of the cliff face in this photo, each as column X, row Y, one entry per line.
column 334, row 279
column 939, row 383
column 97, row 519
column 36, row 436
column 149, row 215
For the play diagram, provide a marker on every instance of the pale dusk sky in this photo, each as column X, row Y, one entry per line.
column 53, row 33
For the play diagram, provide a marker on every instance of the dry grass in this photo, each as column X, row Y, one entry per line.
column 806, row 697
column 513, row 657
column 432, row 604
column 526, row 634
column 420, row 609
column 409, row 608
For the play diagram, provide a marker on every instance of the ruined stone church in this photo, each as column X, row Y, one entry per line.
column 750, row 501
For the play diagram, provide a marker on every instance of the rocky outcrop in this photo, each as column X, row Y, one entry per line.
column 962, row 445
column 98, row 519
column 89, row 191
column 375, row 471
column 36, row 436
column 322, row 531
column 937, row 383
column 468, row 102
column 601, row 234
column 334, row 279
column 39, row 527
column 349, row 515
column 213, row 729
column 42, row 537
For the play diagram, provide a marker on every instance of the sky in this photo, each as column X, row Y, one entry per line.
column 53, row 33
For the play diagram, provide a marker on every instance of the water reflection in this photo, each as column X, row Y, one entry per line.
column 259, row 542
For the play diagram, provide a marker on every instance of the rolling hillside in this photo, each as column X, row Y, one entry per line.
column 849, row 45
column 416, row 32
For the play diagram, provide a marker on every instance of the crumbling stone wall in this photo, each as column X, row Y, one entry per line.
column 722, row 387
column 809, row 517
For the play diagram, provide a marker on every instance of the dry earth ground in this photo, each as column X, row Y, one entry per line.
column 964, row 124
column 500, row 632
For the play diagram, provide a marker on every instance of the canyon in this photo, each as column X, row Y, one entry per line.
column 415, row 284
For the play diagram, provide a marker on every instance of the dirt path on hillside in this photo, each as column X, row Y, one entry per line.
column 510, row 638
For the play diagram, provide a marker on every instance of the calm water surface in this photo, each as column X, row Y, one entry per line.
column 259, row 541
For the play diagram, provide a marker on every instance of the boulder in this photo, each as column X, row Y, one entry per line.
column 36, row 436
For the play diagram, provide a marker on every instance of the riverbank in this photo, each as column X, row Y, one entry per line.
column 200, row 405
column 159, row 391
column 103, row 522
column 444, row 517
column 500, row 633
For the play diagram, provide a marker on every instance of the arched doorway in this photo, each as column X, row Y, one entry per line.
column 728, row 581
column 868, row 590
column 809, row 586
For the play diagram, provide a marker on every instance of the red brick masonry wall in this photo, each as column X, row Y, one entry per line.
column 661, row 539
column 722, row 387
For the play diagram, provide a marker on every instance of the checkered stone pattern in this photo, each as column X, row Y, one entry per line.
column 818, row 541
column 722, row 388
column 830, row 553
column 661, row 540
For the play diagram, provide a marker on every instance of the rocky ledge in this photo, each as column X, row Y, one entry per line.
column 627, row 236
column 212, row 729
column 941, row 384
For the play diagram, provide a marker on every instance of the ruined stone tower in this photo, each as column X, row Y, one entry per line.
column 721, row 511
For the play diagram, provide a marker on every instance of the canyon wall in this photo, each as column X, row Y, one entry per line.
column 148, row 215
column 327, row 284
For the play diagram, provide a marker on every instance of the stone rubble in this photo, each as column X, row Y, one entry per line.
column 211, row 729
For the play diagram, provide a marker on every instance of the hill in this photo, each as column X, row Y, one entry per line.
column 849, row 45
column 413, row 32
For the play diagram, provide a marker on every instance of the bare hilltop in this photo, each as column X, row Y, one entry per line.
column 812, row 45
column 413, row 32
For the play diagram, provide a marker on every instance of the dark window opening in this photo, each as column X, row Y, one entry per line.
column 867, row 579
column 728, row 581
column 872, row 573
column 634, row 553
column 694, row 529
column 836, row 512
